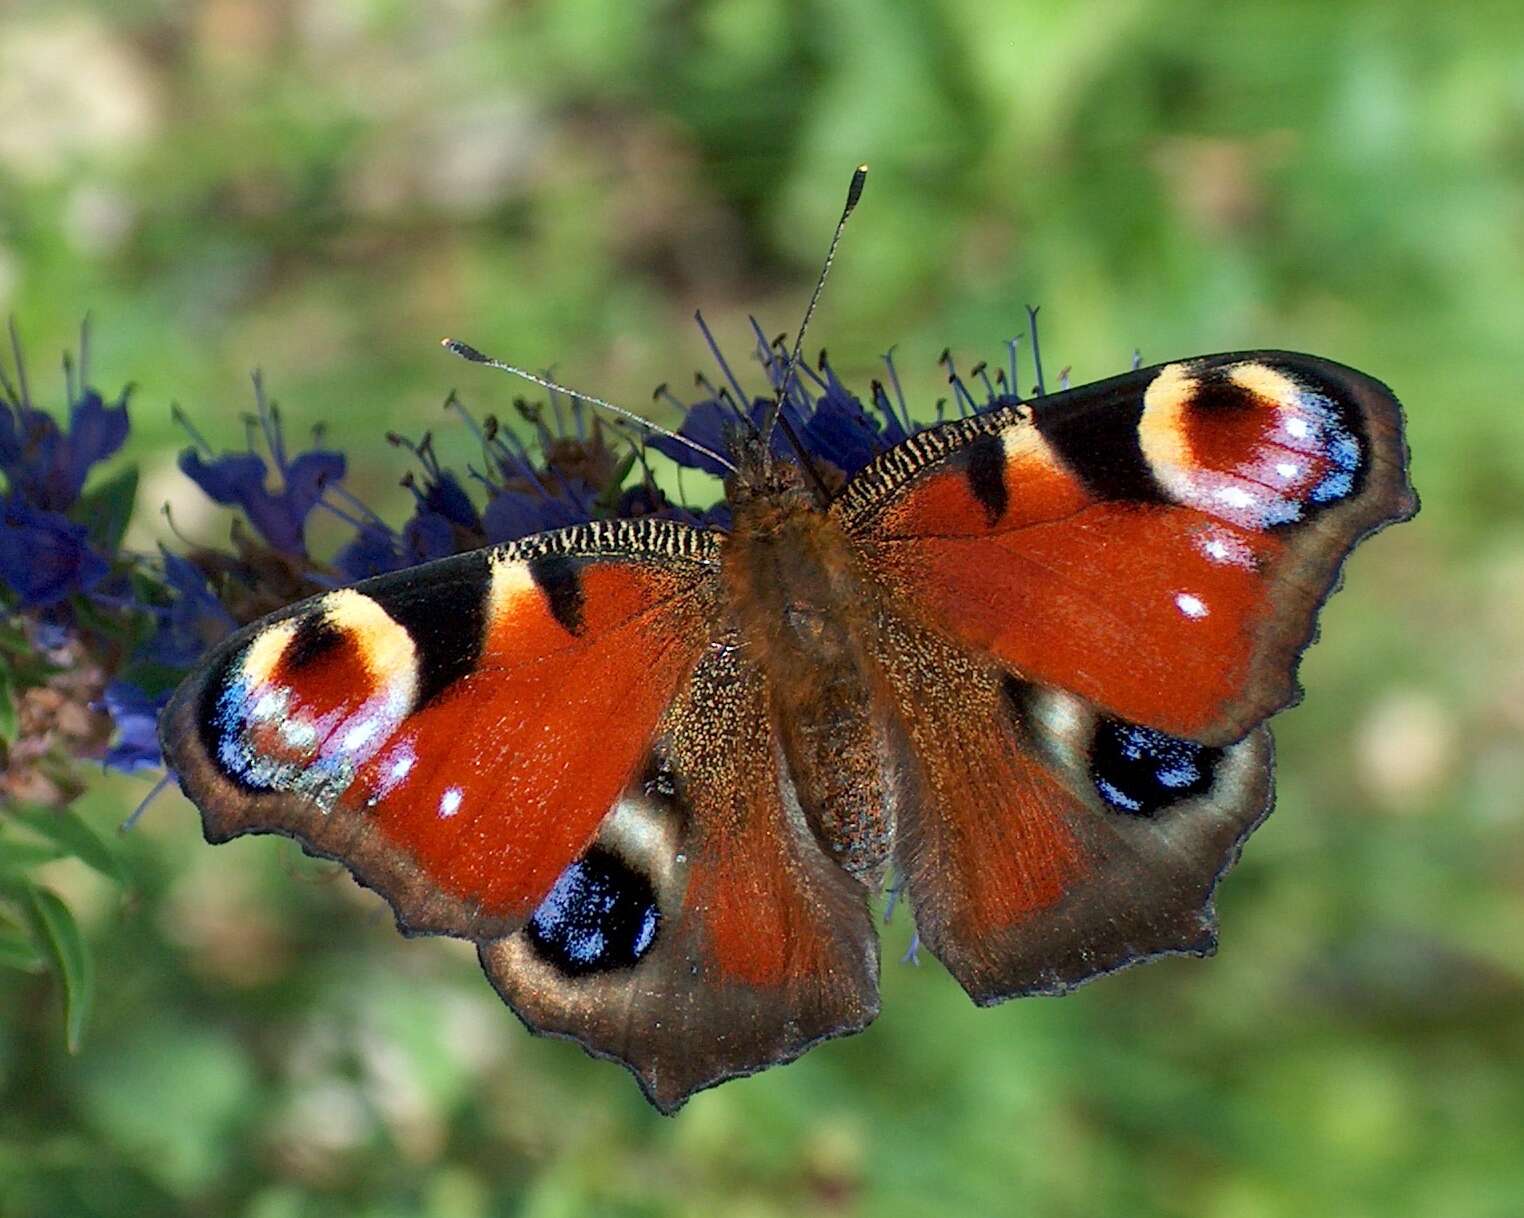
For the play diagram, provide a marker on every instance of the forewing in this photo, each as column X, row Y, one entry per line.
column 1158, row 544
column 705, row 935
column 454, row 733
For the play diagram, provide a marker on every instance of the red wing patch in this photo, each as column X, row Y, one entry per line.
column 1158, row 543
column 1121, row 604
column 454, row 734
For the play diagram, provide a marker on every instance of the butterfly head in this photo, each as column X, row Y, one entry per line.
column 762, row 476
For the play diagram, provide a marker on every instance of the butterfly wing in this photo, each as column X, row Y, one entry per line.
column 1042, row 842
column 541, row 747
column 454, row 733
column 1092, row 603
column 705, row 934
column 1158, row 543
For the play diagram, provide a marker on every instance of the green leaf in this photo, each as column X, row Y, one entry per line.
column 152, row 677
column 18, row 951
column 609, row 499
column 56, row 931
column 64, row 827
column 8, row 721
column 19, row 857
column 13, row 637
column 110, row 624
column 22, row 663
column 106, row 510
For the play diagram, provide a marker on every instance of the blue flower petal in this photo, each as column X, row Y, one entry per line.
column 709, row 423
column 229, row 479
column 32, row 452
column 372, row 552
column 447, row 497
column 44, row 556
column 135, row 744
column 194, row 620
column 308, row 475
column 840, row 430
column 515, row 514
column 238, row 479
column 96, row 431
column 427, row 536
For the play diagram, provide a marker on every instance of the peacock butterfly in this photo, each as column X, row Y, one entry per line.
column 1022, row 661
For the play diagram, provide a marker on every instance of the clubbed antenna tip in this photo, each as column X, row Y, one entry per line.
column 855, row 189
column 464, row 350
column 786, row 381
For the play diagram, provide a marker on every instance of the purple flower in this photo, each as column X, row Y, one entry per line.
column 427, row 536
column 443, row 496
column 243, row 479
column 445, row 522
column 193, row 620
column 830, row 422
column 240, row 480
column 373, row 551
column 515, row 514
column 184, row 629
column 711, row 423
column 43, row 465
column 839, row 430
column 44, row 556
column 135, row 743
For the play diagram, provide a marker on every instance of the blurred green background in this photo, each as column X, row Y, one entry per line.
column 322, row 188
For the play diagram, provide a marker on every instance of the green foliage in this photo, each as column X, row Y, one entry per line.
column 73, row 837
column 56, row 932
column 107, row 510
column 53, row 937
column 322, row 190
column 8, row 720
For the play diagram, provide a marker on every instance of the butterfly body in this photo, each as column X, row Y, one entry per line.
column 1021, row 662
column 803, row 611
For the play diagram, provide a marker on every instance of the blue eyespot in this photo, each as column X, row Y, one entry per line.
column 600, row 915
column 1141, row 771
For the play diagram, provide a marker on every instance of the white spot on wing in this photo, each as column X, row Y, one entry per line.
column 1225, row 549
column 356, row 737
column 393, row 768
column 449, row 802
column 1190, row 605
column 298, row 734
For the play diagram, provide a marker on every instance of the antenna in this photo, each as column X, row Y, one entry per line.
column 854, row 193
column 476, row 357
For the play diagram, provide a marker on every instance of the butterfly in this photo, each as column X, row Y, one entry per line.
column 1020, row 664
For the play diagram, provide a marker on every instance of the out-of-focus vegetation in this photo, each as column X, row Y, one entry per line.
column 323, row 188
